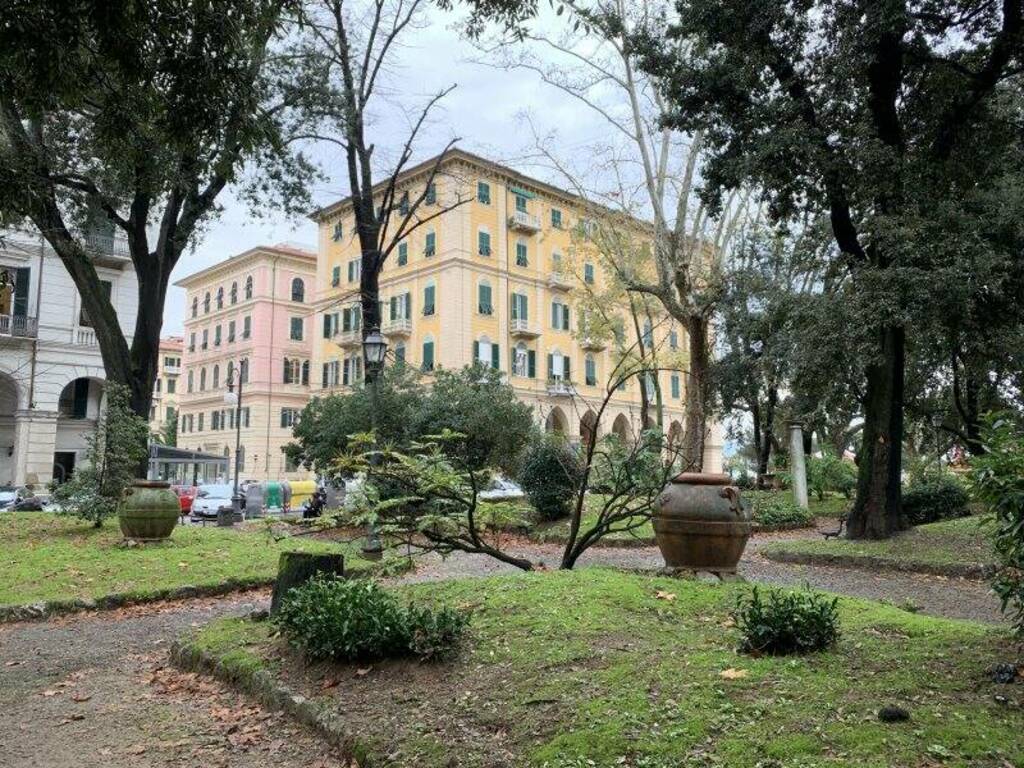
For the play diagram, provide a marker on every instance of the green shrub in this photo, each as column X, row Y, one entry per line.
column 777, row 509
column 933, row 497
column 997, row 479
column 830, row 474
column 351, row 620
column 550, row 476
column 786, row 621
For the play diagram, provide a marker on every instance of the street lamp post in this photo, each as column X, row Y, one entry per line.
column 231, row 397
column 375, row 348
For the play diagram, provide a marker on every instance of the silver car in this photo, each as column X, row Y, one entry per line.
column 210, row 499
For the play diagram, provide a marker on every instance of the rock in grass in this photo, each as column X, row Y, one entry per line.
column 893, row 714
column 1004, row 673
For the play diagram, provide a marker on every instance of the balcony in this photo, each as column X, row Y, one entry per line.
column 524, row 222
column 593, row 345
column 522, row 329
column 84, row 337
column 18, row 326
column 559, row 281
column 400, row 326
column 108, row 250
column 560, row 388
column 172, row 370
column 349, row 339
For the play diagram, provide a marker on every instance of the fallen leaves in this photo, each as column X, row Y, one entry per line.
column 733, row 674
column 662, row 595
column 80, row 697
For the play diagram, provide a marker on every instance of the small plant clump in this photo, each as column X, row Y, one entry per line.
column 778, row 509
column 354, row 620
column 786, row 622
column 550, row 476
column 933, row 497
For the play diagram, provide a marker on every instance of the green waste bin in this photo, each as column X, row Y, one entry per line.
column 272, row 496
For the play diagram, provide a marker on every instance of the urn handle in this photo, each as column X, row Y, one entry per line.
column 733, row 495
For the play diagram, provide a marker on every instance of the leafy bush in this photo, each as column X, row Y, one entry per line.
column 997, row 479
column 112, row 456
column 934, row 496
column 777, row 509
column 786, row 621
column 830, row 474
column 350, row 620
column 550, row 476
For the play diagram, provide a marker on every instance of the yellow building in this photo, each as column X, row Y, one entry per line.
column 165, row 389
column 486, row 280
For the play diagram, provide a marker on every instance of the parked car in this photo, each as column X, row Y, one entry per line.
column 8, row 495
column 502, row 489
column 210, row 499
column 186, row 495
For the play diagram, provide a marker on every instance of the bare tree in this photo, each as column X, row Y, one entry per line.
column 643, row 170
column 359, row 40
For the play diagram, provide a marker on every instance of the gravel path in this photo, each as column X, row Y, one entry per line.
column 96, row 690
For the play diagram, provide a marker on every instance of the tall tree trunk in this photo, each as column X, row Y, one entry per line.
column 695, row 417
column 877, row 511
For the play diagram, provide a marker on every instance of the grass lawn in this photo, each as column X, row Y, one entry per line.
column 47, row 557
column 591, row 669
column 948, row 543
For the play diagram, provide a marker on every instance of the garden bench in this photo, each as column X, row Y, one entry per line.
column 838, row 531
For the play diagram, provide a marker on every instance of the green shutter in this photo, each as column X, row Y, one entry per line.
column 394, row 307
column 531, row 364
column 551, row 365
column 524, row 300
column 408, row 305
column 327, row 326
column 675, row 385
column 565, row 317
column 476, row 351
column 556, row 315
column 566, row 370
column 495, row 359
column 428, row 355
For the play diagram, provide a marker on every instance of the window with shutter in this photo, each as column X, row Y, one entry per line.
column 495, row 357
column 430, row 247
column 336, row 276
column 484, row 303
column 522, row 259
column 675, row 386
column 428, row 300
column 483, row 243
column 403, row 254
column 428, row 356
column 588, row 273
column 531, row 364
column 431, row 196
column 483, row 192
column 556, row 218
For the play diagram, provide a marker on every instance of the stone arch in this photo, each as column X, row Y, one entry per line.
column 621, row 428
column 81, row 398
column 556, row 421
column 588, row 428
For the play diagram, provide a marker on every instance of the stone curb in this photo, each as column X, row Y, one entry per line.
column 271, row 693
column 48, row 609
column 976, row 571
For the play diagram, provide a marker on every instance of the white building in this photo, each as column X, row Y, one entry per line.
column 51, row 371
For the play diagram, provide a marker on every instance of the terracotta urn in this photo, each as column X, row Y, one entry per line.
column 700, row 523
column 149, row 511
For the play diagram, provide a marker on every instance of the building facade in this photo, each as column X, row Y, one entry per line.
column 249, row 318
column 51, row 370
column 488, row 278
column 164, row 410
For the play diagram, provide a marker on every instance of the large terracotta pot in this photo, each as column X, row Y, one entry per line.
column 700, row 523
column 150, row 511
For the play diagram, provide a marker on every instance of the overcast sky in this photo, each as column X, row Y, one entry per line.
column 486, row 111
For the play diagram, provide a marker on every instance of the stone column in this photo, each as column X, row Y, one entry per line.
column 35, row 439
column 797, row 465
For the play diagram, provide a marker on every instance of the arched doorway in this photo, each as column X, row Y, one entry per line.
column 620, row 428
column 556, row 421
column 79, row 406
column 588, row 428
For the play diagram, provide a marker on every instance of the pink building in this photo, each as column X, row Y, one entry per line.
column 250, row 316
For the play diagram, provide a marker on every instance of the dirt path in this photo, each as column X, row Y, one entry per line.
column 95, row 689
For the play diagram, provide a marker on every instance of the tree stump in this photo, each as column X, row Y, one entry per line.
column 296, row 568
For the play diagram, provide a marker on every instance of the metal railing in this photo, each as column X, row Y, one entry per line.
column 524, row 220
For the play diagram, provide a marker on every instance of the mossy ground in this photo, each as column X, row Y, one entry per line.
column 950, row 542
column 47, row 557
column 593, row 668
